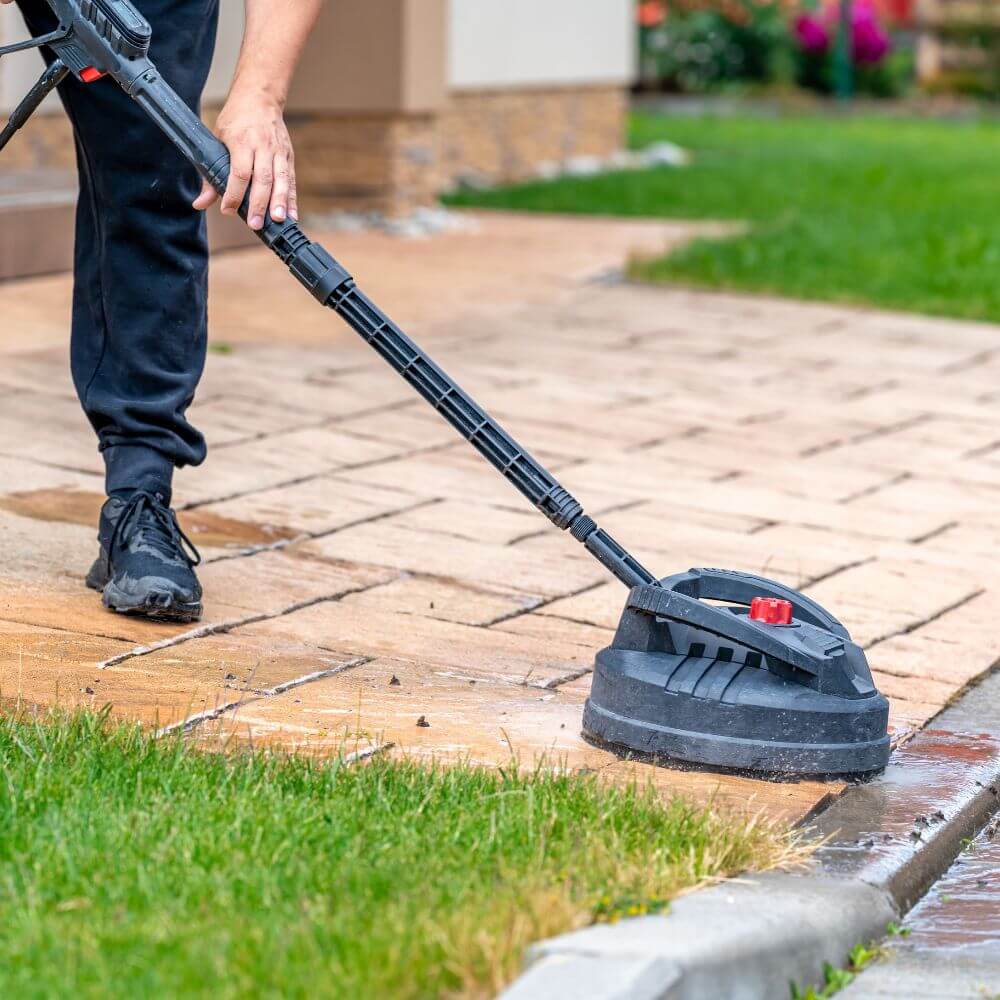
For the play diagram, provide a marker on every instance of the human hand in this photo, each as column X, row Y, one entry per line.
column 252, row 125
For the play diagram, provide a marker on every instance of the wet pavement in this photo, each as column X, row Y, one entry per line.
column 950, row 941
column 909, row 820
column 961, row 913
column 351, row 538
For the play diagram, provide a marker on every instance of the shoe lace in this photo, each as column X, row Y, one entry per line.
column 147, row 512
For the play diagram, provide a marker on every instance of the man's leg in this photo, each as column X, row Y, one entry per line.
column 139, row 306
column 139, row 311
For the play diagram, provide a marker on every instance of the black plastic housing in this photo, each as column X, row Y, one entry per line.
column 707, row 685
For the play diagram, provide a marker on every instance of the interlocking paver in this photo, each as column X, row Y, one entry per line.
column 351, row 537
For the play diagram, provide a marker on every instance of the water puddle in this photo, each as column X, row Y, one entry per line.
column 83, row 507
column 961, row 912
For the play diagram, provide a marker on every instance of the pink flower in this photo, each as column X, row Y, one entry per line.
column 869, row 39
column 812, row 34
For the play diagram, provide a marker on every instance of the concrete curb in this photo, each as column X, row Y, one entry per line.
column 739, row 941
column 750, row 939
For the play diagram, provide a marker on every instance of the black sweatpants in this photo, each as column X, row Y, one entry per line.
column 141, row 267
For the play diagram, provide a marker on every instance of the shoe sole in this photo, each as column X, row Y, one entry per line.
column 120, row 603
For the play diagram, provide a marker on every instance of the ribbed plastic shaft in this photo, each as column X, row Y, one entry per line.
column 332, row 285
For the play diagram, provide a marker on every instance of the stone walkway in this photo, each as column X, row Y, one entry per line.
column 373, row 585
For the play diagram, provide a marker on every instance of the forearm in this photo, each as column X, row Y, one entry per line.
column 275, row 34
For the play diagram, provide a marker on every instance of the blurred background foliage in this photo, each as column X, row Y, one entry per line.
column 897, row 47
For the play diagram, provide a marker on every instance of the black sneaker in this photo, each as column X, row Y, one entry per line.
column 144, row 567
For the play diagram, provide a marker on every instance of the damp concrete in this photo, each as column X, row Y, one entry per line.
column 949, row 947
column 903, row 828
column 960, row 915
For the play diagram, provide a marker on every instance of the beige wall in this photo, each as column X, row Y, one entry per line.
column 404, row 55
column 374, row 56
column 17, row 72
column 531, row 43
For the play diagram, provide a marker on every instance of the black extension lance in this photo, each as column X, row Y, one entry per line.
column 765, row 681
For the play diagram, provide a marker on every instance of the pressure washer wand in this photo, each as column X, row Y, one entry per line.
column 334, row 287
column 99, row 37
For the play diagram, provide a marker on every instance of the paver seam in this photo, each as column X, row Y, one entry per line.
column 320, row 422
column 311, row 536
column 913, row 626
column 836, row 571
column 884, row 430
column 964, row 364
column 333, row 470
column 316, row 424
column 863, row 392
column 983, row 451
column 870, row 491
column 259, row 694
column 373, row 751
column 222, row 628
column 936, row 533
column 553, row 683
column 58, row 466
column 59, row 628
column 541, row 602
column 764, row 525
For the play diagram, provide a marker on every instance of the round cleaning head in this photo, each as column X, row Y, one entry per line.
column 767, row 682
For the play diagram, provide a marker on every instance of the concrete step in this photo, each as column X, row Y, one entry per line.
column 37, row 211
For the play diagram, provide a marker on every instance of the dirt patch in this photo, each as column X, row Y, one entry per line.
column 82, row 507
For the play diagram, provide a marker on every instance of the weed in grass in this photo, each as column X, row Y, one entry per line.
column 897, row 213
column 134, row 866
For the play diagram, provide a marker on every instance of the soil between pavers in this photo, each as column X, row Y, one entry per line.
column 348, row 533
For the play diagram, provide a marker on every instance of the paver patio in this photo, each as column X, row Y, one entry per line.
column 366, row 572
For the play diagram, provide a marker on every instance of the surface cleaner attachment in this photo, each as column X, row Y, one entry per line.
column 768, row 682
column 773, row 684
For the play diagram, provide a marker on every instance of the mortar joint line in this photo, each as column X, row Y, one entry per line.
column 223, row 628
column 193, row 721
column 311, row 536
column 913, row 626
column 333, row 470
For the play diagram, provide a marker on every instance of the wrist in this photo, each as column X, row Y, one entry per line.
column 260, row 93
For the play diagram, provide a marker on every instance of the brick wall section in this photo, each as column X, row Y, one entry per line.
column 394, row 163
column 371, row 163
column 505, row 135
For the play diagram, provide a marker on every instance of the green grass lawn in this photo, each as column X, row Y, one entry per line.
column 140, row 868
column 896, row 213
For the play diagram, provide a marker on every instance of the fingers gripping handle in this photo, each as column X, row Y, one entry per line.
column 308, row 261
